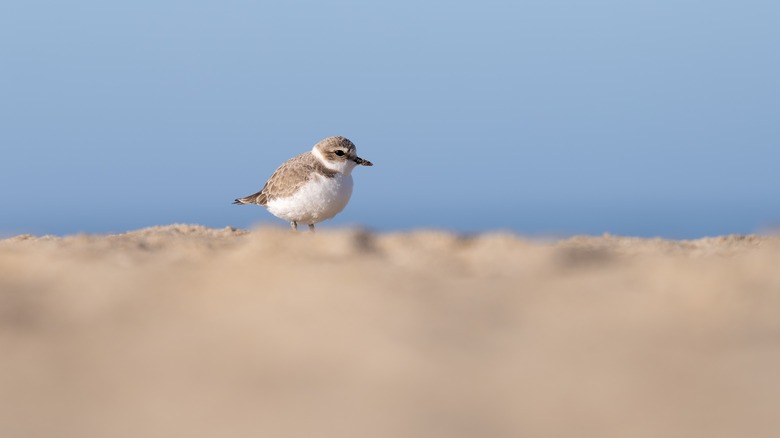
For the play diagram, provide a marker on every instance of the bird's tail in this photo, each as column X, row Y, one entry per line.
column 257, row 198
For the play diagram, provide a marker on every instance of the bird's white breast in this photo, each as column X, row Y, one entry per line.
column 319, row 199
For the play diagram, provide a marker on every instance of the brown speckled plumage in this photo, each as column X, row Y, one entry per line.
column 288, row 178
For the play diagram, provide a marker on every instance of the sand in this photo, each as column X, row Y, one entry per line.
column 186, row 331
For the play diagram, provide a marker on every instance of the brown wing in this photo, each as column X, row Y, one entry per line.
column 290, row 176
column 287, row 179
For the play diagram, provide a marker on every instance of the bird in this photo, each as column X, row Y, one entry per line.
column 313, row 186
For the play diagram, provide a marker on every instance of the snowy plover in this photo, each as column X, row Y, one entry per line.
column 311, row 187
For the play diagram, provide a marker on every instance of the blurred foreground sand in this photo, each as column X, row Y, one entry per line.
column 185, row 331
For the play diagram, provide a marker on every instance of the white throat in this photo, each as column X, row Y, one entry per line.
column 345, row 167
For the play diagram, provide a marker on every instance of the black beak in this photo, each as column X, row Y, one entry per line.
column 362, row 161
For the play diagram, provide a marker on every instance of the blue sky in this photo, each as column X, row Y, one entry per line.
column 557, row 117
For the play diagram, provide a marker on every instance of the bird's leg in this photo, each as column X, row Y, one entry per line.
column 311, row 227
column 294, row 225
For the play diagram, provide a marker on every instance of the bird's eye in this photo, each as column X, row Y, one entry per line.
column 340, row 153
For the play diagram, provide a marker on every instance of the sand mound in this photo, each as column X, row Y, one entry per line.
column 190, row 331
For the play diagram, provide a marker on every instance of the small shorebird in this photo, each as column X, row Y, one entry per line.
column 312, row 187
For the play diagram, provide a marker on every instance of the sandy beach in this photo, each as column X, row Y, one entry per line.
column 189, row 331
